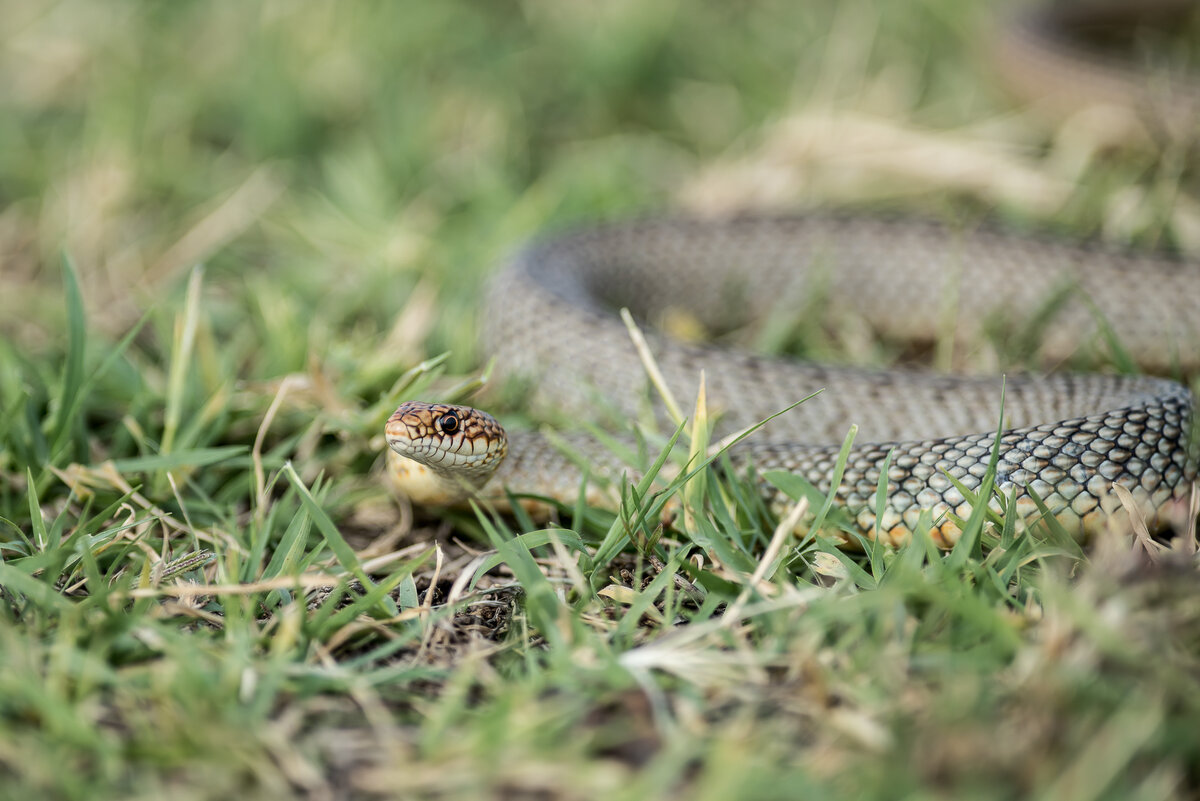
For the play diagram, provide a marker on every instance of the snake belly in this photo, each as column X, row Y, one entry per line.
column 1067, row 438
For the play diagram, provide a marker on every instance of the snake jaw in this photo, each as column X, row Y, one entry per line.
column 442, row 453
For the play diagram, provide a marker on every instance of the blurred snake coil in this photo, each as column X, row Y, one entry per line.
column 1067, row 438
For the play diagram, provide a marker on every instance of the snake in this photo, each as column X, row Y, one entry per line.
column 1085, row 450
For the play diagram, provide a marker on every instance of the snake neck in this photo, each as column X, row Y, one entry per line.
column 428, row 485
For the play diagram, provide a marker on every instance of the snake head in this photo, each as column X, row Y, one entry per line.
column 446, row 452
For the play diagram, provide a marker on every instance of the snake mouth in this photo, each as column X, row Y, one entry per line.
column 434, row 453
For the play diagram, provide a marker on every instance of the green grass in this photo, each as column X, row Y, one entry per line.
column 234, row 236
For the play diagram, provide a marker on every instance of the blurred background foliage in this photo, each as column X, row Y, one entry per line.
column 324, row 158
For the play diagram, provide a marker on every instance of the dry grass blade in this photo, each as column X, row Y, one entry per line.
column 755, row 583
column 651, row 367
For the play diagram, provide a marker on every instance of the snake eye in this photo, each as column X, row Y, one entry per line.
column 449, row 423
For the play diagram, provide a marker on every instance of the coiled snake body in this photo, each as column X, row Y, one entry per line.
column 1067, row 437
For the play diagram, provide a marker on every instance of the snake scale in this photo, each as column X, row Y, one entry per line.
column 1067, row 438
